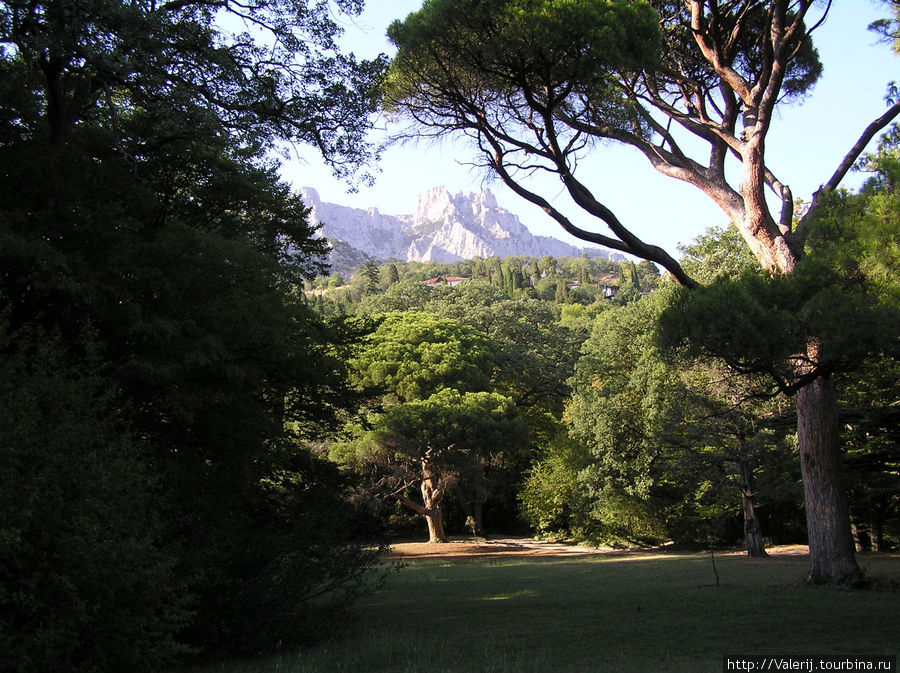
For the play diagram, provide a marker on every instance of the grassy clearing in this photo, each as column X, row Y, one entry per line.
column 619, row 613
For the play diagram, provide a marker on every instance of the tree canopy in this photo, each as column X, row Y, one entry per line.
column 437, row 422
column 413, row 355
column 260, row 72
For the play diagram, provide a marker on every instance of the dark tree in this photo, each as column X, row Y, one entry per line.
column 145, row 237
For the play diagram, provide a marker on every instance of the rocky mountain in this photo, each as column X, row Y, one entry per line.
column 443, row 228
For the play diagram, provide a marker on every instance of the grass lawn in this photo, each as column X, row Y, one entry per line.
column 617, row 612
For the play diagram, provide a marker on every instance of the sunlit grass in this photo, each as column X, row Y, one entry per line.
column 599, row 613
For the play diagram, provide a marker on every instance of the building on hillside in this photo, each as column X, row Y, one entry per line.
column 452, row 281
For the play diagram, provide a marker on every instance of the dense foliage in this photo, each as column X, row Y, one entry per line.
column 632, row 437
column 436, row 424
column 160, row 378
column 567, row 280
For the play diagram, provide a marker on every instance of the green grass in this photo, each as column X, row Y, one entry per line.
column 603, row 613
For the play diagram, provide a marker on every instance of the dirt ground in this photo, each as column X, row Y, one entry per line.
column 528, row 547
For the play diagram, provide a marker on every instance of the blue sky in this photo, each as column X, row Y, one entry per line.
column 806, row 143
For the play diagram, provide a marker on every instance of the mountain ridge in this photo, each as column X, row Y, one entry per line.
column 443, row 228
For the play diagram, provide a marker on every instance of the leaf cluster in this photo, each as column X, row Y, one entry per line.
column 262, row 72
column 493, row 48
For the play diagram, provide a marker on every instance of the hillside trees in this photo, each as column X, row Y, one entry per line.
column 148, row 252
column 536, row 85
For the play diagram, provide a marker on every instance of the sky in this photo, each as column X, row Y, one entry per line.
column 805, row 145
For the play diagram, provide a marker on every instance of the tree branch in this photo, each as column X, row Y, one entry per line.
column 846, row 164
column 851, row 156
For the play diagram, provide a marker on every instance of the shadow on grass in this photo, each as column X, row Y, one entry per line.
column 610, row 612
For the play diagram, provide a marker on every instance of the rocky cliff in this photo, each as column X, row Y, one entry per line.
column 443, row 228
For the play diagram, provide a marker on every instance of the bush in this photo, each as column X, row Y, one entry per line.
column 284, row 571
column 84, row 582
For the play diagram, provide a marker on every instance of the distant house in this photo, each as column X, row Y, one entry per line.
column 610, row 291
column 452, row 281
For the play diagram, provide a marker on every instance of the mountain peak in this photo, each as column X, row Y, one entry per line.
column 442, row 228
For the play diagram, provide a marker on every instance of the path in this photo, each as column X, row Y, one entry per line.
column 499, row 547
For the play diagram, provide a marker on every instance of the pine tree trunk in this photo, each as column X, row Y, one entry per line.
column 432, row 494
column 756, row 547
column 435, row 520
column 831, row 551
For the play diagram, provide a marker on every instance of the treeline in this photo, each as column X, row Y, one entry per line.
column 628, row 437
column 565, row 280
column 591, row 464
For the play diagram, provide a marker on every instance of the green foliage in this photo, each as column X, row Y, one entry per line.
column 450, row 427
column 203, row 348
column 413, row 355
column 493, row 45
column 551, row 499
column 87, row 581
column 660, row 448
column 870, row 433
column 621, row 376
column 843, row 296
column 404, row 295
column 535, row 354
column 393, row 274
column 294, row 563
column 743, row 28
column 438, row 423
column 105, row 60
column 488, row 280
column 580, row 318
column 718, row 252
column 889, row 28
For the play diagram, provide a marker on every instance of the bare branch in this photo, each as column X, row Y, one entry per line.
column 846, row 164
column 867, row 135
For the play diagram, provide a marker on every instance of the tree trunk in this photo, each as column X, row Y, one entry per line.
column 876, row 529
column 435, row 520
column 831, row 551
column 432, row 494
column 860, row 539
column 756, row 547
column 478, row 516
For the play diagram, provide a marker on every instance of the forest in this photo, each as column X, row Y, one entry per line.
column 207, row 442
column 628, row 439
